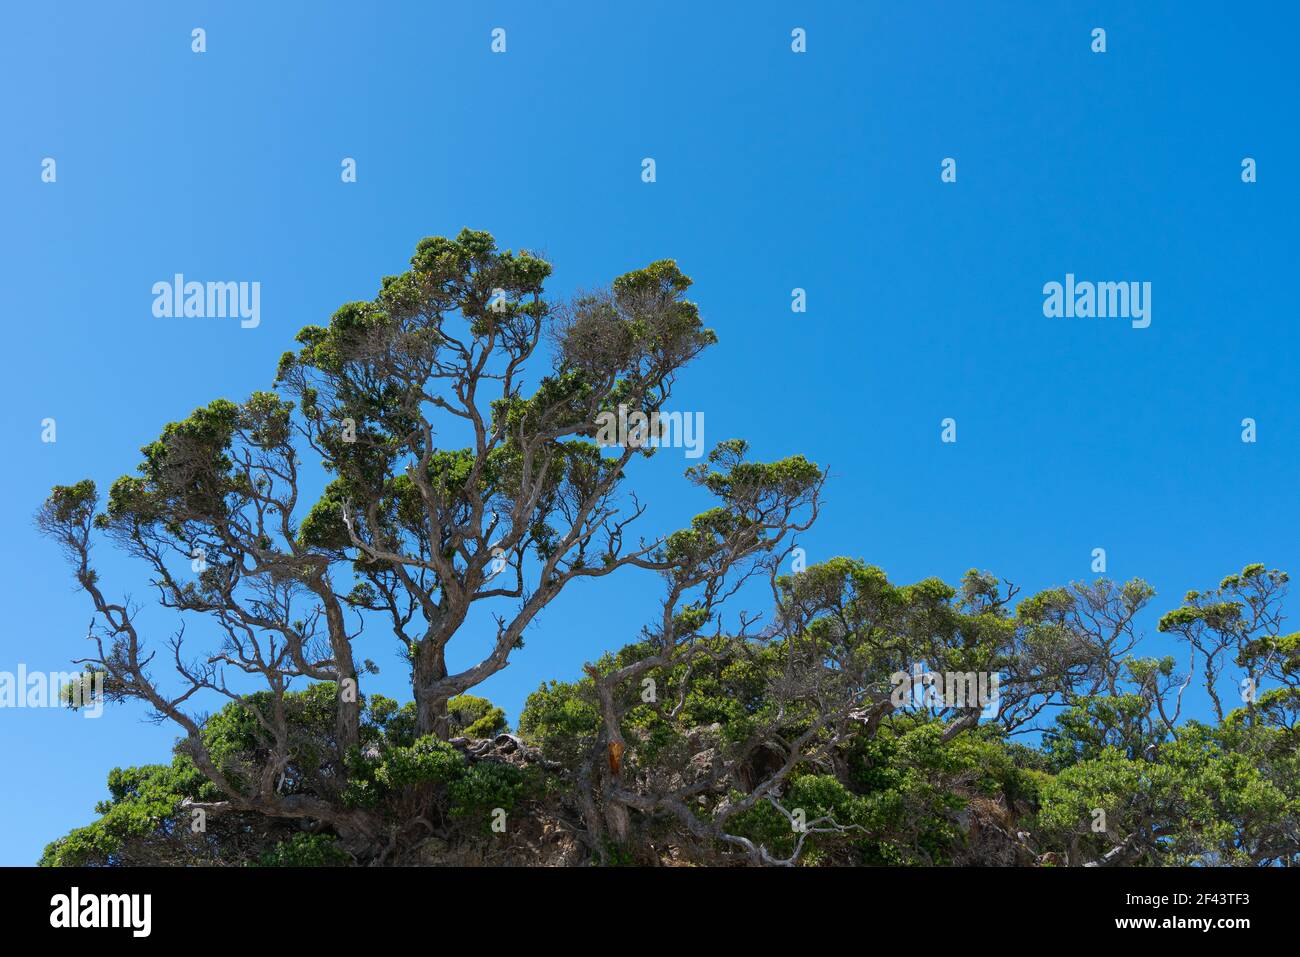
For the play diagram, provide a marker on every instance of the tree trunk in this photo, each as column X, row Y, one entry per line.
column 616, row 819
column 611, row 762
column 431, row 712
column 347, row 720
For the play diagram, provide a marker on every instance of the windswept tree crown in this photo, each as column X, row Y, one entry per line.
column 411, row 530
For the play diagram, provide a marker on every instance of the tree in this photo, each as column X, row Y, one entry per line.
column 408, row 529
column 804, row 741
column 742, row 724
column 857, row 721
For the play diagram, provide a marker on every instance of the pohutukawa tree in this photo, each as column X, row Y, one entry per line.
column 454, row 480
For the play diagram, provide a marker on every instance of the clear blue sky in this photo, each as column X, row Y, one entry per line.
column 775, row 171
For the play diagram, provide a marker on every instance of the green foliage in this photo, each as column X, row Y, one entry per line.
column 476, row 717
column 141, row 806
column 145, row 818
column 428, row 761
column 306, row 850
column 820, row 800
column 744, row 729
column 483, row 788
column 561, row 718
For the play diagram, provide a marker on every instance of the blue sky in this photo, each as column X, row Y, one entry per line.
column 775, row 170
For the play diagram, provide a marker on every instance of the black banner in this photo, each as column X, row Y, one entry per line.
column 305, row 906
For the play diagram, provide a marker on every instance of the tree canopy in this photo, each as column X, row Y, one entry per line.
column 848, row 720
